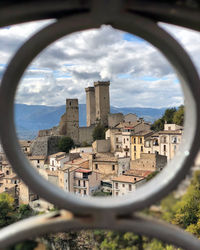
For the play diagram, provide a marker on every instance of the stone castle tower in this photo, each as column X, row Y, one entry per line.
column 69, row 123
column 90, row 106
column 98, row 103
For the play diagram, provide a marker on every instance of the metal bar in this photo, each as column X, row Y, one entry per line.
column 166, row 12
column 64, row 221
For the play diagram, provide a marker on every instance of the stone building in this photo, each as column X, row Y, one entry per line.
column 90, row 106
column 69, row 123
column 170, row 139
column 57, row 160
column 98, row 111
column 105, row 164
column 149, row 162
column 125, row 184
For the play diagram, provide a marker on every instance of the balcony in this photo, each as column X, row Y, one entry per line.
column 79, row 187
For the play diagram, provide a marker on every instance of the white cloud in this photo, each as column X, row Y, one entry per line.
column 139, row 74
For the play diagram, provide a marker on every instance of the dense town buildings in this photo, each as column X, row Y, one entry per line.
column 116, row 165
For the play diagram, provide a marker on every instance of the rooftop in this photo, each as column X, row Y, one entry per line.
column 126, row 178
column 171, row 132
column 37, row 157
column 105, row 157
column 58, row 155
column 138, row 172
column 144, row 133
column 82, row 170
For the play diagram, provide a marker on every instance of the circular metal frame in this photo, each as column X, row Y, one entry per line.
column 64, row 221
column 168, row 179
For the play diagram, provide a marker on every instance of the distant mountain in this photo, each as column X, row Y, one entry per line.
column 31, row 118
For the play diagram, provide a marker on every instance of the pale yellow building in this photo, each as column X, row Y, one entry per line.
column 138, row 143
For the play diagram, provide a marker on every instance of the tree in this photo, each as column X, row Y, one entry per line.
column 188, row 208
column 150, row 176
column 168, row 115
column 171, row 115
column 65, row 144
column 7, row 215
column 179, row 116
column 158, row 125
column 98, row 132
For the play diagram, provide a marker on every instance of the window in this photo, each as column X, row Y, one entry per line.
column 79, row 191
column 39, row 167
column 113, row 167
column 164, row 148
column 169, row 128
column 174, row 140
column 124, row 140
column 52, row 163
column 140, row 140
column 116, row 193
column 126, row 154
column 134, row 148
column 135, row 155
column 79, row 182
column 130, row 187
column 127, row 139
column 85, row 192
column 116, row 185
column 123, row 185
column 141, row 148
column 148, row 152
column 134, row 140
column 7, row 172
column 164, row 139
column 84, row 184
column 117, row 139
column 38, row 161
column 135, row 179
column 117, row 146
column 96, row 166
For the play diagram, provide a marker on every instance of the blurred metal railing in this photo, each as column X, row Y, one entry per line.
column 137, row 17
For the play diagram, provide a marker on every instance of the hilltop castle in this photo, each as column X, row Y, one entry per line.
column 98, row 111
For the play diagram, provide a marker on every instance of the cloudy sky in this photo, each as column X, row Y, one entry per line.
column 140, row 76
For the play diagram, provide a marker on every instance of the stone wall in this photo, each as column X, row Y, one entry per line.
column 45, row 145
column 44, row 132
column 85, row 134
column 124, row 165
column 149, row 162
column 114, row 119
column 101, row 146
